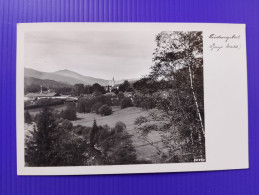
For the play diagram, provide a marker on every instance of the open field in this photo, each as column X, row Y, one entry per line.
column 128, row 116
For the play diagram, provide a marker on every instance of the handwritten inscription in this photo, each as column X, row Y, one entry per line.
column 221, row 42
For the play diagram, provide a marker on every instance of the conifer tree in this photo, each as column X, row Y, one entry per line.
column 38, row 148
column 93, row 133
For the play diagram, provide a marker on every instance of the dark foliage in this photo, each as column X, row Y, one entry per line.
column 78, row 89
column 67, row 125
column 119, row 127
column 84, row 105
column 144, row 101
column 94, row 134
column 38, row 150
column 120, row 96
column 125, row 86
column 53, row 145
column 70, row 112
column 140, row 120
column 105, row 110
column 27, row 117
column 179, row 63
column 96, row 107
column 44, row 102
column 118, row 149
column 126, row 102
column 98, row 88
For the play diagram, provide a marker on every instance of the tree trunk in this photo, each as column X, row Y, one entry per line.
column 195, row 100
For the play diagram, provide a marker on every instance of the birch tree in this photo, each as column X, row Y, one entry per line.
column 178, row 59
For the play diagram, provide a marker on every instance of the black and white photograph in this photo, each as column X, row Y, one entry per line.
column 113, row 98
column 130, row 98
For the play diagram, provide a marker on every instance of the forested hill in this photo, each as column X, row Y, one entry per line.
column 44, row 82
column 68, row 77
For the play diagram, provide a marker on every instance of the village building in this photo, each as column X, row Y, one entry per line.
column 36, row 96
column 111, row 86
column 40, row 95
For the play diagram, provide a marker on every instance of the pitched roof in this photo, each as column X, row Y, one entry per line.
column 41, row 94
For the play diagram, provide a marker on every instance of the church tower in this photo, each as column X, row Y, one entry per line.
column 113, row 82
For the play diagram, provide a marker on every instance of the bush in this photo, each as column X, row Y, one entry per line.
column 27, row 117
column 84, row 105
column 67, row 125
column 119, row 149
column 148, row 103
column 81, row 130
column 104, row 132
column 119, row 127
column 104, row 99
column 96, row 107
column 144, row 102
column 105, row 110
column 70, row 112
column 140, row 120
column 145, row 129
column 44, row 102
column 126, row 102
column 120, row 96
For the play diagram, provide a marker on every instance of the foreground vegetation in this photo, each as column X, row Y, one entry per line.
column 56, row 142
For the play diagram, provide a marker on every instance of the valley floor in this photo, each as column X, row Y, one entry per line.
column 127, row 115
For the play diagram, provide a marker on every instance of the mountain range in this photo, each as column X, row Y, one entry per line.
column 65, row 77
column 44, row 82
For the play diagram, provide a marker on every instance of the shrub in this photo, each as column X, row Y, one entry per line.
column 148, row 103
column 119, row 149
column 78, row 130
column 49, row 102
column 119, row 127
column 126, row 102
column 84, row 105
column 145, row 129
column 105, row 110
column 82, row 130
column 140, row 120
column 144, row 102
column 120, row 96
column 104, row 132
column 44, row 102
column 70, row 112
column 67, row 125
column 27, row 117
column 96, row 107
column 104, row 99
column 130, row 89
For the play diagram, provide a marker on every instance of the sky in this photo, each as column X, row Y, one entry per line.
column 100, row 54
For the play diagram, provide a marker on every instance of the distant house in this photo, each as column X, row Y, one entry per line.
column 111, row 86
column 36, row 96
column 110, row 94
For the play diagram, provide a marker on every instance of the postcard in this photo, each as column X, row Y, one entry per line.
column 115, row 98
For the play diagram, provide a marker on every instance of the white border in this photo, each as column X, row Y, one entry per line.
column 225, row 91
